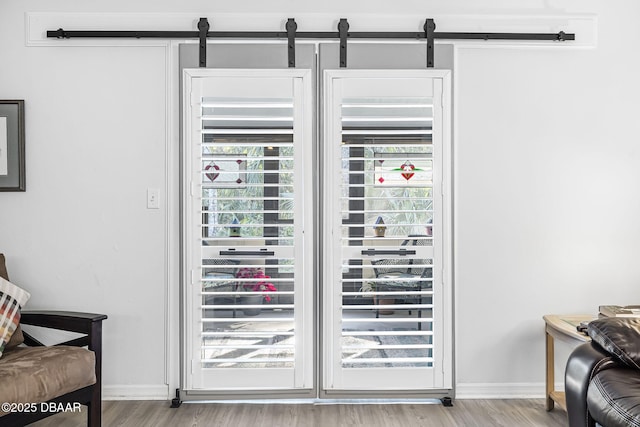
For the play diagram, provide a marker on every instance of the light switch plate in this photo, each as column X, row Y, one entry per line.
column 153, row 198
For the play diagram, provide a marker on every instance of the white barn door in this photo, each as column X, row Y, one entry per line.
column 346, row 290
column 248, row 229
column 386, row 278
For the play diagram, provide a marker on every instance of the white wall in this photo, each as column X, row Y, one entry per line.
column 80, row 238
column 547, row 187
column 547, row 196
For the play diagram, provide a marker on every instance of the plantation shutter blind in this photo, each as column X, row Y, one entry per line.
column 247, row 248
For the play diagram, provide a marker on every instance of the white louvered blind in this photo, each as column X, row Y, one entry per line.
column 387, row 184
column 247, row 229
column 247, row 245
column 385, row 207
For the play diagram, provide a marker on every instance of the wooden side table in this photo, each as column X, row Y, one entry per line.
column 563, row 328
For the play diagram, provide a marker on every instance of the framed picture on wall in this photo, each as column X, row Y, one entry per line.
column 12, row 164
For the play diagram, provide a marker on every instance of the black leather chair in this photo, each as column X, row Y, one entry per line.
column 602, row 379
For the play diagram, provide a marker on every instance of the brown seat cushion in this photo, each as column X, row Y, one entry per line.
column 38, row 374
column 3, row 268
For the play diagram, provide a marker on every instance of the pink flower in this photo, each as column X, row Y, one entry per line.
column 261, row 286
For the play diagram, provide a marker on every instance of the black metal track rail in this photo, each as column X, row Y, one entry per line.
column 420, row 35
column 429, row 34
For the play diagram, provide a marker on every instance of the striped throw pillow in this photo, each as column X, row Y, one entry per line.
column 12, row 298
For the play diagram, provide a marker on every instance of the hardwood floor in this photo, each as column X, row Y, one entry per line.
column 464, row 413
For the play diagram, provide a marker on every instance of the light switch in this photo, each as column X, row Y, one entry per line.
column 153, row 198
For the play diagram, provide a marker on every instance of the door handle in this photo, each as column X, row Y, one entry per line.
column 401, row 252
column 261, row 252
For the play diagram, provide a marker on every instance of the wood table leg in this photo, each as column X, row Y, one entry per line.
column 550, row 382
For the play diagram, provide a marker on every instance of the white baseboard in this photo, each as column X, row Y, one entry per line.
column 463, row 391
column 136, row 392
column 501, row 390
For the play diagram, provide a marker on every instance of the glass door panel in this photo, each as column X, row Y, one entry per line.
column 248, row 248
column 384, row 271
column 249, row 231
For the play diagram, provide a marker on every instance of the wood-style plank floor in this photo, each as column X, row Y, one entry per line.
column 464, row 413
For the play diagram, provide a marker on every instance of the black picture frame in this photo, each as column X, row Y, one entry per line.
column 12, row 151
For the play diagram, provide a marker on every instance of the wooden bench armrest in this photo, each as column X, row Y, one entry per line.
column 89, row 324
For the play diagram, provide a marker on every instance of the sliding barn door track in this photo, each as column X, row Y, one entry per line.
column 291, row 34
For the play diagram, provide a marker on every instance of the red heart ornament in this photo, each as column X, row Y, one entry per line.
column 212, row 176
column 407, row 167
